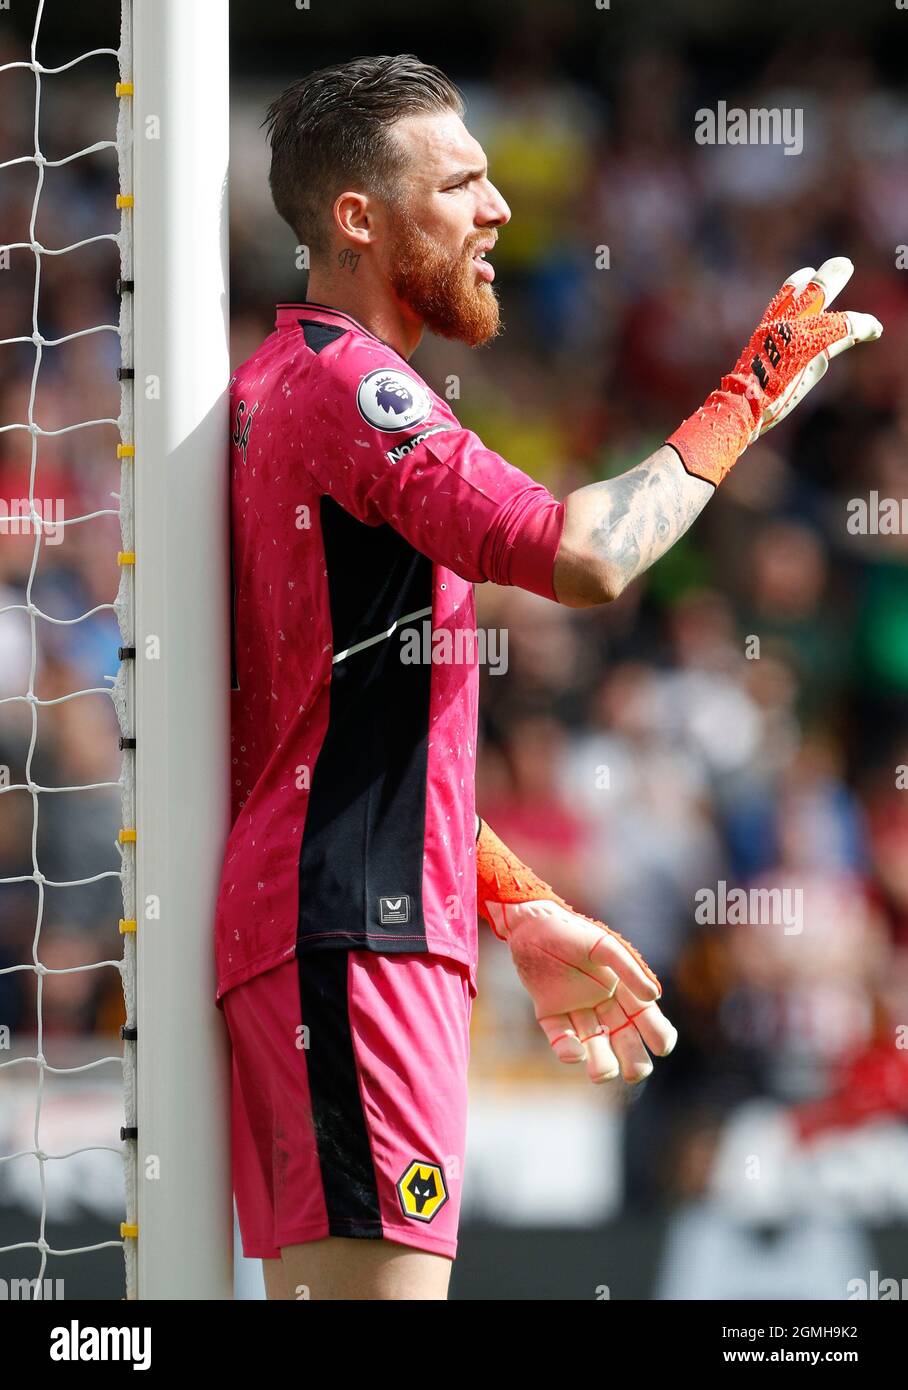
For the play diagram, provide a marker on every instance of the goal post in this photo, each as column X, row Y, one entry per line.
column 180, row 145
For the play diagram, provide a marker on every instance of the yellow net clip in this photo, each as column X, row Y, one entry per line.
column 126, row 557
column 128, row 924
column 125, row 89
column 125, row 200
column 128, row 1231
column 126, row 451
column 127, row 837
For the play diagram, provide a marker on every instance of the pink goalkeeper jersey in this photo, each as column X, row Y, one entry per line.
column 362, row 513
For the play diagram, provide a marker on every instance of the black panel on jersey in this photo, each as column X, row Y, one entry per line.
column 361, row 858
column 341, row 1136
column 319, row 335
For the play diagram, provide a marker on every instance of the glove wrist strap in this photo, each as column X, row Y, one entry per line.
column 710, row 442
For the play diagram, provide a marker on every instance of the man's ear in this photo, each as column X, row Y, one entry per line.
column 353, row 220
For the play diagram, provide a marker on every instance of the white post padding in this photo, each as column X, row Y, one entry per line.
column 182, row 680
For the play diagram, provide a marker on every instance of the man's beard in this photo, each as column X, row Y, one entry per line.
column 444, row 290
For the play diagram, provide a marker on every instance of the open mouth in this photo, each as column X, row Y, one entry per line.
column 483, row 267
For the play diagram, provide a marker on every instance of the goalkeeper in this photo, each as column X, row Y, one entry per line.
column 362, row 511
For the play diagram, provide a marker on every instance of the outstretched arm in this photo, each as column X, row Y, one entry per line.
column 615, row 530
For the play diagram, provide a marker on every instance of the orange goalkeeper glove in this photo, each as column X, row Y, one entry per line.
column 594, row 994
column 789, row 352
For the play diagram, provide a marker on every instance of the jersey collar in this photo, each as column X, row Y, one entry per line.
column 289, row 315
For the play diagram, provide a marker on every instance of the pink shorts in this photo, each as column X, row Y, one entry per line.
column 349, row 1100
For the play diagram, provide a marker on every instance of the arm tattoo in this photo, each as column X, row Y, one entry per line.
column 640, row 514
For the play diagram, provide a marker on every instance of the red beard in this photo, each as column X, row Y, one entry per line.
column 444, row 290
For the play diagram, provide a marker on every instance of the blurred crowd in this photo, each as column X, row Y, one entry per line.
column 739, row 715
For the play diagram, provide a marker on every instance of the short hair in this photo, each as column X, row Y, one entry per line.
column 330, row 131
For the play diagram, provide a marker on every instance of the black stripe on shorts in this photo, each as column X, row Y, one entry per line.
column 342, row 1138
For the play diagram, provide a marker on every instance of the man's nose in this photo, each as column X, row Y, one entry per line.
column 495, row 211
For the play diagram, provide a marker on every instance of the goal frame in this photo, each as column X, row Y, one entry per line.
column 180, row 121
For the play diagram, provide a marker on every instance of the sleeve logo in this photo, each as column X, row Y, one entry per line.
column 406, row 446
column 392, row 400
